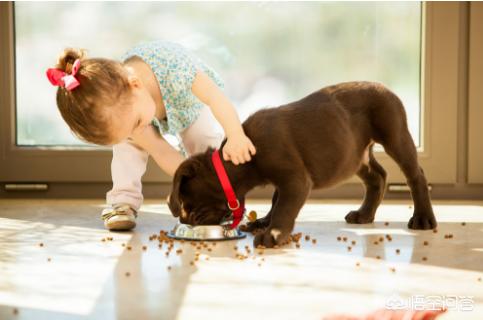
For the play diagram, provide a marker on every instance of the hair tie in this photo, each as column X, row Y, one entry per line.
column 59, row 78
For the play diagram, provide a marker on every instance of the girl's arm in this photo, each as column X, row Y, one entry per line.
column 238, row 146
column 167, row 157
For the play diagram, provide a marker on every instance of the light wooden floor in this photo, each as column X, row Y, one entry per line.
column 86, row 278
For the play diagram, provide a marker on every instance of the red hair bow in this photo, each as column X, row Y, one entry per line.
column 59, row 78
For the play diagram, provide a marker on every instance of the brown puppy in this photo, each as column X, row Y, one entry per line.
column 315, row 142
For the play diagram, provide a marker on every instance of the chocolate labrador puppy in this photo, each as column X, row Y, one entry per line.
column 316, row 142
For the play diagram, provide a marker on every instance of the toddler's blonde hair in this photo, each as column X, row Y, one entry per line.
column 103, row 86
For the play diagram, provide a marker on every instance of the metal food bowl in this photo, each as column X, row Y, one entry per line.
column 204, row 233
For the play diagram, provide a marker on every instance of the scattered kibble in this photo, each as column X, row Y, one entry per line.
column 425, row 243
column 15, row 311
column 235, row 248
column 103, row 239
column 349, row 248
column 398, row 251
column 297, row 245
column 376, row 243
column 425, row 259
column 129, row 247
column 145, row 248
column 41, row 244
column 386, row 223
column 49, row 259
column 392, row 269
column 123, row 244
column 378, row 257
column 357, row 264
column 339, row 238
column 192, row 263
column 314, row 241
column 479, row 279
column 435, row 230
column 353, row 242
column 127, row 274
column 179, row 251
column 207, row 258
column 381, row 239
column 307, row 238
column 463, row 223
column 259, row 264
column 344, row 239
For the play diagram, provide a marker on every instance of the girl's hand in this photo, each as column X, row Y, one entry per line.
column 238, row 148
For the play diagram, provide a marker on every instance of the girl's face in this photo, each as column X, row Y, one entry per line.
column 138, row 116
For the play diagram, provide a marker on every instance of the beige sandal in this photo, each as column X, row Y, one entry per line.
column 121, row 217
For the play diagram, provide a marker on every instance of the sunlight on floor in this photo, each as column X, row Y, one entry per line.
column 70, row 282
column 348, row 268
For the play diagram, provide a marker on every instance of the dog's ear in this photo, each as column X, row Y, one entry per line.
column 185, row 171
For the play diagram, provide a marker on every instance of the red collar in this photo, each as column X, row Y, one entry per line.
column 236, row 208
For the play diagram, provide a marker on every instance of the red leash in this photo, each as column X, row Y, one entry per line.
column 236, row 208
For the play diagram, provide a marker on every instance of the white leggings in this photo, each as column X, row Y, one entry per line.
column 129, row 162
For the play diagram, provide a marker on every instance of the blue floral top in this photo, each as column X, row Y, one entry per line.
column 175, row 69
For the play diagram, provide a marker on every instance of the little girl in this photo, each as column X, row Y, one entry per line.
column 158, row 88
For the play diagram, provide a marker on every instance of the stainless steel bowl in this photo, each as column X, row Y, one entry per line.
column 204, row 233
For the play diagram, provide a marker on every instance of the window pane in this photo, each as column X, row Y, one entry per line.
column 268, row 53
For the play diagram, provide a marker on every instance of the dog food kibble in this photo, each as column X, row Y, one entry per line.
column 179, row 251
column 127, row 274
column 344, row 239
column 103, row 239
column 160, row 246
column 41, row 244
column 298, row 246
column 349, row 248
column 392, row 269
column 169, row 268
column 463, row 223
column 358, row 264
column 435, row 230
column 339, row 238
column 307, row 238
column 166, row 253
column 479, row 279
column 207, row 258
column 425, row 243
column 424, row 258
column 381, row 239
column 129, row 247
column 398, row 251
column 192, row 263
column 378, row 257
column 386, row 223
column 376, row 243
column 235, row 248
column 49, row 259
column 314, row 241
column 145, row 248
column 353, row 242
column 252, row 216
column 123, row 244
column 15, row 311
column 209, row 250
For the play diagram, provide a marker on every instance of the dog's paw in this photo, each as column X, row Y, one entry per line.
column 271, row 237
column 422, row 222
column 359, row 217
column 261, row 223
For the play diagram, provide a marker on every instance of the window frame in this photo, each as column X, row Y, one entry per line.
column 440, row 71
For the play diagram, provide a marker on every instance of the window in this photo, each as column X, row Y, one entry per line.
column 268, row 53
